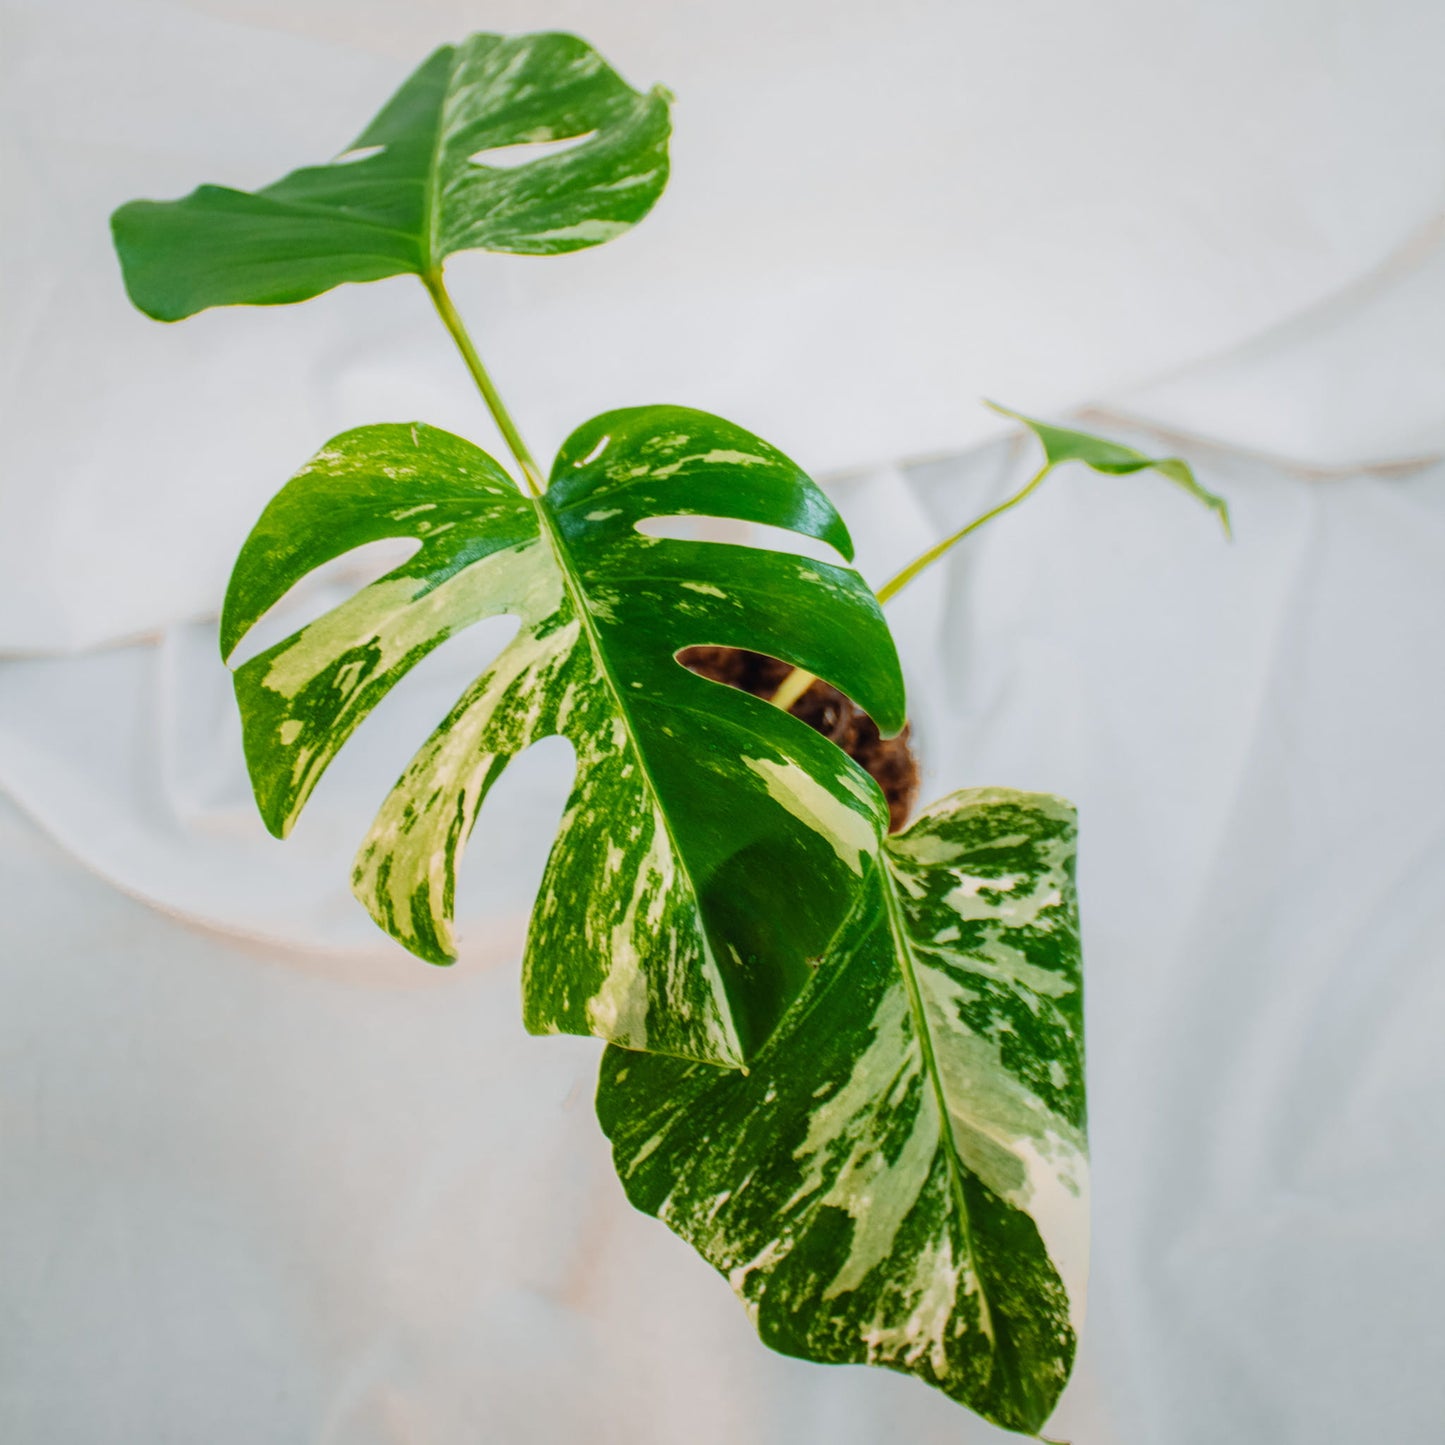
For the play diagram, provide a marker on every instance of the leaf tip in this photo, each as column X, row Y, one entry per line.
column 890, row 721
column 228, row 638
column 128, row 234
column 432, row 941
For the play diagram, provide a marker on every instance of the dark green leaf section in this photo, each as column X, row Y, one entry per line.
column 416, row 186
column 1115, row 459
column 899, row 1178
column 670, row 916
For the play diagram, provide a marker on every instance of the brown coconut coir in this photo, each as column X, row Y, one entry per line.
column 889, row 761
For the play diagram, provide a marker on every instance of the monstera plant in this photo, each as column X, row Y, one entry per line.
column 846, row 1065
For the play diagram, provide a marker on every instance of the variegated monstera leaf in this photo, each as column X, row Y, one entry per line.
column 713, row 844
column 426, row 178
column 899, row 1179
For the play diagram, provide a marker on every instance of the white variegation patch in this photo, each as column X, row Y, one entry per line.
column 849, row 833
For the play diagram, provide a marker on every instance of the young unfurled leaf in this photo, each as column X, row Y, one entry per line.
column 899, row 1178
column 1115, row 459
column 416, row 185
column 712, row 844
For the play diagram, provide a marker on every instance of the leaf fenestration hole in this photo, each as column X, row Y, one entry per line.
column 361, row 153
column 502, row 865
column 735, row 533
column 376, row 754
column 319, row 591
column 890, row 762
column 508, row 158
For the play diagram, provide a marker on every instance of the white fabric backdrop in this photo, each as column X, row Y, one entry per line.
column 265, row 1178
column 908, row 207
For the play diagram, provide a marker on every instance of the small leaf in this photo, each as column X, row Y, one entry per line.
column 711, row 844
column 415, row 185
column 1115, row 459
column 899, row 1178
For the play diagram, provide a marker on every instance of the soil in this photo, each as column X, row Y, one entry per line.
column 890, row 761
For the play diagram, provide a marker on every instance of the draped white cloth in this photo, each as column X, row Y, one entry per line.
column 265, row 1177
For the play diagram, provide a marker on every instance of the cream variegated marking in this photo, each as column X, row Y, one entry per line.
column 694, row 807
column 848, row 832
column 909, row 1148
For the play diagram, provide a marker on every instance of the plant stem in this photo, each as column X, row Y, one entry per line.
column 792, row 687
column 797, row 682
column 895, row 584
column 436, row 289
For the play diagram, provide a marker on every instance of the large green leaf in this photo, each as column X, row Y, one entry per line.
column 899, row 1178
column 1115, row 459
column 415, row 185
column 712, row 844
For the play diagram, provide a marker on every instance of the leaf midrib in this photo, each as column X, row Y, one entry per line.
column 903, row 952
column 430, row 261
column 578, row 598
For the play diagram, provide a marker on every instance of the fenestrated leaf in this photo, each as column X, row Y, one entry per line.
column 899, row 1178
column 1115, row 459
column 712, row 844
column 415, row 185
